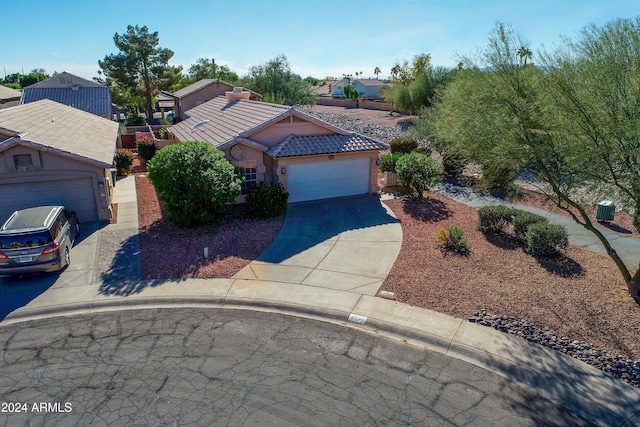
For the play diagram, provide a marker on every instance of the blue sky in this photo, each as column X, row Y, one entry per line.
column 319, row 38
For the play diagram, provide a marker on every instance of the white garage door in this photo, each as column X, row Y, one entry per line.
column 76, row 194
column 333, row 178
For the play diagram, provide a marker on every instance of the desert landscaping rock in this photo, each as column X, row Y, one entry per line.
column 618, row 366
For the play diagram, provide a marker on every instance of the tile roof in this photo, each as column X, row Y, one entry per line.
column 295, row 145
column 223, row 122
column 200, row 84
column 94, row 100
column 68, row 131
column 65, row 79
column 9, row 93
column 370, row 82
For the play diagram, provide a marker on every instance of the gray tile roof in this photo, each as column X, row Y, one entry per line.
column 9, row 93
column 94, row 100
column 65, row 130
column 200, row 84
column 295, row 145
column 226, row 121
column 65, row 79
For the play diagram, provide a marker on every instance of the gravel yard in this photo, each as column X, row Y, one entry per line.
column 578, row 305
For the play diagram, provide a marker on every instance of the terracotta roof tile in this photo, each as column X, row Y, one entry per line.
column 324, row 144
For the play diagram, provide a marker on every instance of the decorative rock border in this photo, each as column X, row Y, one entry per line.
column 616, row 366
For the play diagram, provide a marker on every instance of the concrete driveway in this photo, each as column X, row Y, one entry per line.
column 16, row 292
column 347, row 243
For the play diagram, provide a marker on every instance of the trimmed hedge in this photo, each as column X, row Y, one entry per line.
column 123, row 161
column 544, row 239
column 146, row 148
column 418, row 172
column 522, row 220
column 403, row 145
column 266, row 200
column 495, row 219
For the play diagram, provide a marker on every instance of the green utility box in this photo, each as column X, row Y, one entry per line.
column 605, row 211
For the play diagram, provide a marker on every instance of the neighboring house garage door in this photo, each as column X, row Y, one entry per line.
column 333, row 178
column 76, row 194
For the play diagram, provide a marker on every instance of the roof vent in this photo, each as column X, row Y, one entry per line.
column 75, row 87
column 237, row 89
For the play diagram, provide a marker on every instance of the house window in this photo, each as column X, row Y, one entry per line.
column 248, row 170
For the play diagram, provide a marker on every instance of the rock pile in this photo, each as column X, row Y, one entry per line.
column 617, row 366
column 381, row 133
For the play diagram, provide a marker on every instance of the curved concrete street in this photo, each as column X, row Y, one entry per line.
column 231, row 368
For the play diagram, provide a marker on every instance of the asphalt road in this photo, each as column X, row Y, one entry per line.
column 228, row 368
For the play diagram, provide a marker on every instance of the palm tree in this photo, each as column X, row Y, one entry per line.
column 377, row 71
column 395, row 71
column 524, row 53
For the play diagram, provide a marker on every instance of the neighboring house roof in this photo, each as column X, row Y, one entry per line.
column 324, row 88
column 295, row 145
column 67, row 131
column 370, row 82
column 223, row 124
column 201, row 84
column 74, row 91
column 8, row 93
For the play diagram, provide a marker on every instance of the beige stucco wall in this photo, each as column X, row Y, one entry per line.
column 286, row 161
column 50, row 166
column 203, row 95
column 277, row 132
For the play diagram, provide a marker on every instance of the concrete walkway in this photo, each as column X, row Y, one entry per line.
column 628, row 247
column 582, row 388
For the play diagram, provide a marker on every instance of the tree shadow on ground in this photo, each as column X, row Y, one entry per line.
column 427, row 210
column 561, row 265
column 615, row 227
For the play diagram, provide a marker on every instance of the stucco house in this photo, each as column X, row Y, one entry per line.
column 368, row 88
column 276, row 143
column 337, row 87
column 52, row 154
column 74, row 91
column 9, row 97
column 200, row 92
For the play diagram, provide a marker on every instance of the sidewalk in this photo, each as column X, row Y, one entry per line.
column 582, row 388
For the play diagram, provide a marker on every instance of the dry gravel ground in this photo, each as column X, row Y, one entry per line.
column 171, row 252
column 581, row 296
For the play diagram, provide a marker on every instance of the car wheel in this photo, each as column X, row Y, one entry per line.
column 67, row 258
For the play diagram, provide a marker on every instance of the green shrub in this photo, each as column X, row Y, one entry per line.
column 418, row 172
column 521, row 222
column 453, row 162
column 146, row 148
column 452, row 240
column 266, row 200
column 135, row 120
column 403, row 145
column 494, row 219
column 423, row 149
column 388, row 162
column 195, row 181
column 123, row 161
column 544, row 239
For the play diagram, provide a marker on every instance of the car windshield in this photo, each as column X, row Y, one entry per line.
column 26, row 240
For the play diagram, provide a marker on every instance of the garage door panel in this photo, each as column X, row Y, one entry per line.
column 333, row 178
column 75, row 194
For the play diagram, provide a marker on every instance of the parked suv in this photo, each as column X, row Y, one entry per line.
column 37, row 240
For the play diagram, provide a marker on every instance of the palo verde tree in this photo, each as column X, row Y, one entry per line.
column 548, row 122
column 140, row 65
column 278, row 84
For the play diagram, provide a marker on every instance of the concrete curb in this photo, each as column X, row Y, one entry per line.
column 583, row 389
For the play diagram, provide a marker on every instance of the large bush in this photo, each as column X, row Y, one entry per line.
column 146, row 148
column 403, row 144
column 195, row 181
column 544, row 239
column 495, row 219
column 523, row 220
column 388, row 162
column 453, row 161
column 418, row 172
column 265, row 200
column 123, row 161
